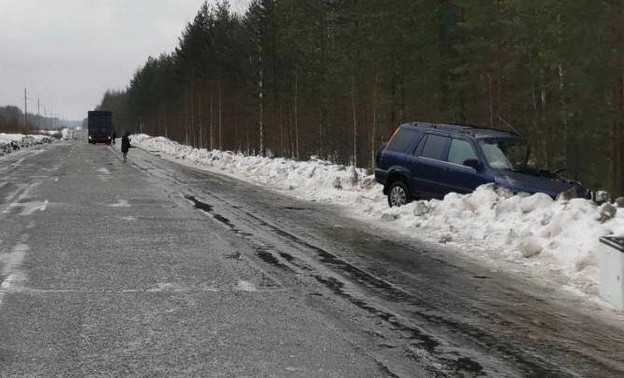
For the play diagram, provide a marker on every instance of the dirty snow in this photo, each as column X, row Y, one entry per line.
column 245, row 286
column 120, row 203
column 13, row 142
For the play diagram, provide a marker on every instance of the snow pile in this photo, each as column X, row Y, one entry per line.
column 12, row 142
column 52, row 133
column 531, row 231
column 67, row 134
column 315, row 179
column 531, row 234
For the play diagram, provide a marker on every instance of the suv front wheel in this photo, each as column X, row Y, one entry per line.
column 398, row 194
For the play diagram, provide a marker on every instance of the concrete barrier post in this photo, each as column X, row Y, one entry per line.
column 611, row 286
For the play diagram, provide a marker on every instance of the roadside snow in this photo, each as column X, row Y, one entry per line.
column 120, row 203
column 13, row 142
column 67, row 134
column 544, row 239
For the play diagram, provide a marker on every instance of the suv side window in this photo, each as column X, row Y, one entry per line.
column 434, row 147
column 402, row 139
column 460, row 151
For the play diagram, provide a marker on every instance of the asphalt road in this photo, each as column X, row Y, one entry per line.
column 150, row 268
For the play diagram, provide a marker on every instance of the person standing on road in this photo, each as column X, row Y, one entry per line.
column 125, row 144
column 113, row 137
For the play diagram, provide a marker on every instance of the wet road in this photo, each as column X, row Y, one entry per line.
column 150, row 268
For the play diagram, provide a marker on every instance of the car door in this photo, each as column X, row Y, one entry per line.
column 459, row 177
column 428, row 165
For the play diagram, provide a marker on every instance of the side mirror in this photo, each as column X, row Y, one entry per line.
column 472, row 163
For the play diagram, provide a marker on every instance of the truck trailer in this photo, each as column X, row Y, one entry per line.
column 100, row 125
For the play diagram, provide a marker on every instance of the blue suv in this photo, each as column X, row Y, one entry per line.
column 424, row 161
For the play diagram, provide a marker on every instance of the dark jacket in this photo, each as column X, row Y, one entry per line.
column 125, row 143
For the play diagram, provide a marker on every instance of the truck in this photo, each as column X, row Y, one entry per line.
column 100, row 124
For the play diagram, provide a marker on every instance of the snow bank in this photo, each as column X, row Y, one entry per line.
column 532, row 234
column 315, row 179
column 67, row 134
column 13, row 142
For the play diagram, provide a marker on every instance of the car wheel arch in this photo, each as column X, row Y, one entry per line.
column 396, row 174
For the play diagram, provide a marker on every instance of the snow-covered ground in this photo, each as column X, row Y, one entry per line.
column 556, row 242
column 13, row 142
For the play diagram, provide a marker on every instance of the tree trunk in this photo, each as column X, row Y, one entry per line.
column 616, row 15
column 186, row 117
column 281, row 127
column 211, row 117
column 491, row 98
column 220, row 117
column 291, row 141
column 248, row 146
column 354, row 113
column 200, row 122
column 236, row 142
column 192, row 104
column 165, row 123
column 296, row 118
column 617, row 148
column 261, row 110
column 320, row 124
column 374, row 131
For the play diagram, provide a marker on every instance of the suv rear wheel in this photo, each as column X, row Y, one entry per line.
column 398, row 194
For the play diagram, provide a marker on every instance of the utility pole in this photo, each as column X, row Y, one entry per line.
column 25, row 109
column 38, row 114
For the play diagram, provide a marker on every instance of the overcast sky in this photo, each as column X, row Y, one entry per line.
column 68, row 53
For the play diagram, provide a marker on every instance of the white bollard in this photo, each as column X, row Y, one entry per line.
column 612, row 270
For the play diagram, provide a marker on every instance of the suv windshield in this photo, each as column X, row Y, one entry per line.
column 505, row 153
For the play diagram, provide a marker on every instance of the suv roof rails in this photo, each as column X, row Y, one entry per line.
column 481, row 127
column 466, row 128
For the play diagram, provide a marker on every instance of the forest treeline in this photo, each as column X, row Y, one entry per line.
column 334, row 78
column 12, row 120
